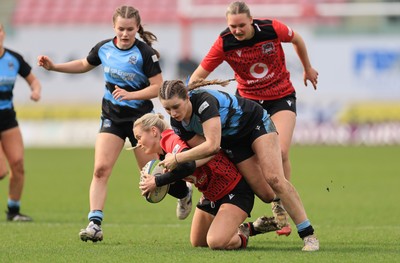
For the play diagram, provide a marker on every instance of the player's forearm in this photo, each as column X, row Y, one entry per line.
column 201, row 151
column 301, row 50
column 148, row 93
column 199, row 73
column 75, row 66
column 36, row 87
column 181, row 171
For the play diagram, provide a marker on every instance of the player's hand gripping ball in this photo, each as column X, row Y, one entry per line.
column 153, row 168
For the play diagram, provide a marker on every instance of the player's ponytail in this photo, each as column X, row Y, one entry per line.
column 149, row 38
column 202, row 82
column 171, row 88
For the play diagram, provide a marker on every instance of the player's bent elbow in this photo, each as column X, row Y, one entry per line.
column 213, row 150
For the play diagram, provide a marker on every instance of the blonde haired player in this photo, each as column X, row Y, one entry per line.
column 227, row 199
column 132, row 76
column 209, row 120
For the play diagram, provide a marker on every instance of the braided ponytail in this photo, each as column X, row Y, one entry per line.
column 202, row 82
column 171, row 88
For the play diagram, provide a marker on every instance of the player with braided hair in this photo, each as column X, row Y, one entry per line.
column 132, row 77
column 211, row 119
column 227, row 199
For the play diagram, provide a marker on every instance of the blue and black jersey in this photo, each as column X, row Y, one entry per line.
column 238, row 115
column 130, row 69
column 12, row 64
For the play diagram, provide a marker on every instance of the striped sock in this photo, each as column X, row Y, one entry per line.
column 305, row 229
column 13, row 206
column 96, row 216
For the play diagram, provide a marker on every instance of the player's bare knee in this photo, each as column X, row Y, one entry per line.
column 270, row 199
column 267, row 197
column 17, row 168
column 217, row 243
column 101, row 172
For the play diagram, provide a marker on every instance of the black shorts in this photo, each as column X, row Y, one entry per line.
column 123, row 130
column 8, row 120
column 240, row 150
column 241, row 196
column 274, row 106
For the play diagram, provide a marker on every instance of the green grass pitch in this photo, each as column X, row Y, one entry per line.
column 351, row 195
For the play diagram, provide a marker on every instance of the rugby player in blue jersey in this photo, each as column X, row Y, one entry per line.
column 132, row 77
column 12, row 64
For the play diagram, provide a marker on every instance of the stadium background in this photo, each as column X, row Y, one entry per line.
column 355, row 46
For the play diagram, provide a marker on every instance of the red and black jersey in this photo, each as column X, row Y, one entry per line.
column 215, row 179
column 259, row 63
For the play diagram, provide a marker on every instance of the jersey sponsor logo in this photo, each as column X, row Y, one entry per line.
column 231, row 196
column 154, row 58
column 176, row 148
column 259, row 70
column 4, row 81
column 290, row 31
column 268, row 48
column 200, row 179
column 203, row 106
column 118, row 74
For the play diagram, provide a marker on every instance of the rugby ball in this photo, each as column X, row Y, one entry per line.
column 153, row 168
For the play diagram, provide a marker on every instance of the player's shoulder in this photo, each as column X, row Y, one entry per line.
column 16, row 57
column 104, row 42
column 143, row 46
column 225, row 33
column 13, row 53
column 263, row 22
column 265, row 29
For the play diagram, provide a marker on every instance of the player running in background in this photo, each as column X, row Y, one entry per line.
column 132, row 76
column 11, row 143
column 244, row 130
column 227, row 199
column 253, row 49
